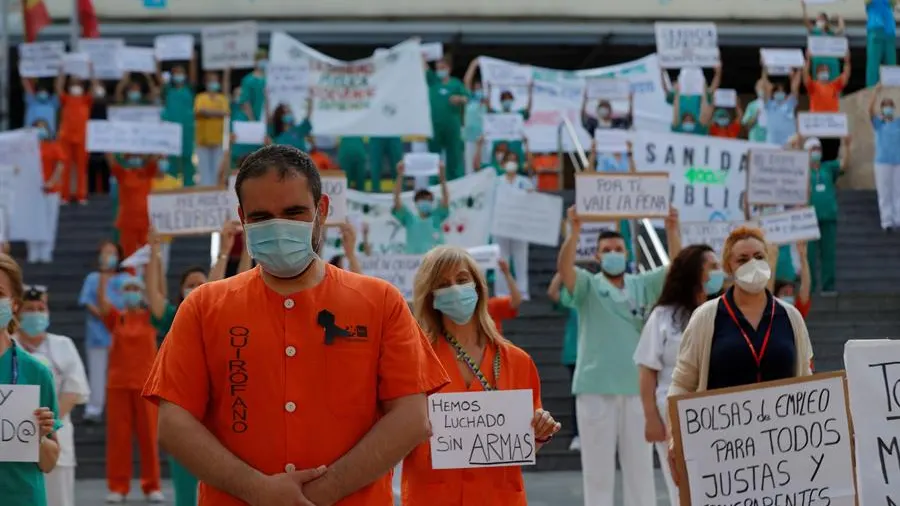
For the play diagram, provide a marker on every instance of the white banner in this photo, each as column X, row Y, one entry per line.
column 41, row 59
column 104, row 57
column 29, row 219
column 384, row 95
column 469, row 224
column 608, row 88
column 134, row 113
column 873, row 382
column 21, row 441
column 687, row 44
column 230, row 46
column 160, row 138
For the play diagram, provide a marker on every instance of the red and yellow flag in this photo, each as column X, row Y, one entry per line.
column 35, row 17
column 90, row 26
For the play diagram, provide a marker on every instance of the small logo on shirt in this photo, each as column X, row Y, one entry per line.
column 333, row 331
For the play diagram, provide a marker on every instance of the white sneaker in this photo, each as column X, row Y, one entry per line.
column 115, row 498
column 156, row 497
column 575, row 446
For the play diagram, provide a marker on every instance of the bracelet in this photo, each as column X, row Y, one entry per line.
column 544, row 440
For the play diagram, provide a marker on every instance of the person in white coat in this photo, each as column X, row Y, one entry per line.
column 510, row 249
column 59, row 354
column 886, row 124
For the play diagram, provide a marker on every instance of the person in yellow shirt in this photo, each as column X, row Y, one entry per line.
column 211, row 108
column 166, row 182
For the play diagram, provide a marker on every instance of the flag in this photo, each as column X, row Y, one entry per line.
column 90, row 27
column 35, row 16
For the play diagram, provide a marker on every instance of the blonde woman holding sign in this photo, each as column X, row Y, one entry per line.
column 450, row 303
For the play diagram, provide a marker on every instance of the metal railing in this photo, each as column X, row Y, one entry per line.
column 646, row 243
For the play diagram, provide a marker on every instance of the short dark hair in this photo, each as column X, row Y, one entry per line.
column 287, row 160
column 609, row 234
column 506, row 94
column 422, row 194
column 120, row 253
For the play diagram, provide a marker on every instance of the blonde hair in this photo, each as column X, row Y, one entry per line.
column 9, row 266
column 736, row 235
column 435, row 265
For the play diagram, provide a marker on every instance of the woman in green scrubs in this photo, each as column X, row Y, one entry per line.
column 283, row 128
column 22, row 483
column 351, row 158
column 163, row 311
column 178, row 107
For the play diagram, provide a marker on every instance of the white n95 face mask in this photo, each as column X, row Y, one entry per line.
column 753, row 276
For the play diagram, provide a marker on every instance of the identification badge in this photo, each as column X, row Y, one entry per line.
column 820, row 187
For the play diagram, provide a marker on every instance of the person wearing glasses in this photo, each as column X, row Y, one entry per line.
column 59, row 354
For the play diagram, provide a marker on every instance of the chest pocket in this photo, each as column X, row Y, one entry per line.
column 351, row 374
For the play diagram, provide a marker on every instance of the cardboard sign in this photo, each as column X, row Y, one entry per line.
column 20, row 441
column 193, row 212
column 526, row 216
column 334, row 184
column 824, row 125
column 586, row 251
column 726, row 98
column 398, row 270
column 766, row 443
column 157, row 138
column 138, row 59
column 249, row 132
column 174, row 47
column 602, row 196
column 421, row 164
column 104, row 57
column 712, row 233
column 134, row 113
column 487, row 256
column 824, row 45
column 230, row 46
column 481, row 429
column 778, row 177
column 791, row 226
column 505, row 126
column 890, row 75
column 790, row 58
column 608, row 88
column 687, row 44
column 41, row 59
column 873, row 383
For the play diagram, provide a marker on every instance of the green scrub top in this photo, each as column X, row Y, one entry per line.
column 689, row 103
column 22, row 483
column 823, row 190
column 422, row 233
column 514, row 145
column 570, row 337
column 757, row 133
column 610, row 321
column 439, row 93
column 253, row 90
column 352, row 146
column 474, row 119
column 164, row 323
column 295, row 136
column 179, row 104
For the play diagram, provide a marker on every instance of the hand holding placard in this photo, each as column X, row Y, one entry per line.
column 610, row 195
column 21, row 428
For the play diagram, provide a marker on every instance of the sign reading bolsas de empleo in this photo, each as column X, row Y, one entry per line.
column 769, row 444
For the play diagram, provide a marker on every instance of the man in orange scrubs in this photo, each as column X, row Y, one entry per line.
column 135, row 175
column 294, row 382
column 76, row 103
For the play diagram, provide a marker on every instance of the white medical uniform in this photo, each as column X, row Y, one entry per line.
column 513, row 249
column 42, row 251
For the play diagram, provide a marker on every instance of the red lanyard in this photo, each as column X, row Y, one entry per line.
column 762, row 351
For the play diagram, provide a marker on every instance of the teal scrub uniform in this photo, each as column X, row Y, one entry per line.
column 294, row 136
column 833, row 64
column 22, row 483
column 422, row 232
column 610, row 321
column 253, row 91
column 689, row 104
column 823, row 198
column 379, row 149
column 240, row 150
column 179, row 108
column 446, row 121
column 351, row 158
column 881, row 38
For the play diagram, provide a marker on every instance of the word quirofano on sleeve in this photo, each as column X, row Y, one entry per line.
column 19, row 434
column 481, row 429
column 617, row 195
column 778, row 443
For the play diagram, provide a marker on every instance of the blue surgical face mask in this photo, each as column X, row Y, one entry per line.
column 822, row 76
column 457, row 302
column 288, row 119
column 163, row 165
column 135, row 162
column 43, row 96
column 6, row 312
column 43, row 134
column 111, row 262
column 779, row 95
column 477, row 95
column 722, row 121
column 262, row 64
column 688, row 126
column 283, row 248
column 213, row 86
column 179, row 78
column 186, row 292
column 789, row 299
column 132, row 300
column 613, row 263
column 425, row 206
column 134, row 96
column 714, row 284
column 443, row 74
column 815, row 156
column 887, row 110
column 507, row 105
column 34, row 323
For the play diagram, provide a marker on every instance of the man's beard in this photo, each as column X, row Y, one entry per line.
column 318, row 238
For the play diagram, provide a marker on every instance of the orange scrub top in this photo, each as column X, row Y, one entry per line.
column 731, row 131
column 133, row 348
column 500, row 308
column 51, row 155
column 135, row 186
column 825, row 97
column 486, row 486
column 74, row 114
column 276, row 388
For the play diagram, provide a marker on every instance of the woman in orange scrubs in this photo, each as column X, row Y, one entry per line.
column 135, row 175
column 450, row 302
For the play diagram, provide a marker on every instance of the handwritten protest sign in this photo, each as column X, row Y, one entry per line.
column 586, row 251
column 481, row 429
column 503, row 126
column 398, row 270
column 229, row 46
column 725, row 98
column 486, row 256
column 526, row 216
column 334, row 184
column 813, row 124
column 19, row 432
column 712, row 233
column 890, row 75
column 159, row 138
column 687, row 44
column 286, row 83
column 41, row 59
column 104, row 57
column 824, row 45
column 790, row 226
column 77, row 64
column 137, row 59
column 178, row 47
column 608, row 88
column 421, row 164
column 789, row 58
column 778, row 177
column 873, row 382
column 195, row 212
column 609, row 195
column 780, row 442
column 134, row 113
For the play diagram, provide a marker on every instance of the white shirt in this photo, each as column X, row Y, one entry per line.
column 520, row 182
column 658, row 350
column 59, row 354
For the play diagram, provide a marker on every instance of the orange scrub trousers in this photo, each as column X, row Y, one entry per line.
column 293, row 382
column 133, row 220
column 487, row 486
column 128, row 415
column 76, row 111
